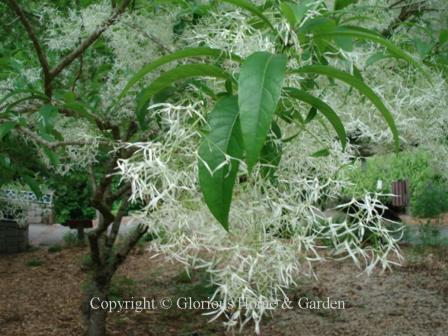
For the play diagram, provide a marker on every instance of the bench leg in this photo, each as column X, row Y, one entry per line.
column 81, row 233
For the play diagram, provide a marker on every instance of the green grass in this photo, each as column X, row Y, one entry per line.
column 55, row 248
column 86, row 262
column 122, row 287
column 34, row 262
column 71, row 239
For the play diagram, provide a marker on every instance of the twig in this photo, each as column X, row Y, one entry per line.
column 67, row 60
column 152, row 38
column 39, row 51
column 55, row 144
column 396, row 3
column 81, row 58
column 406, row 12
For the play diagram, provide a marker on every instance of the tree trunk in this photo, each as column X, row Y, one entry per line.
column 97, row 323
column 96, row 317
column 106, row 260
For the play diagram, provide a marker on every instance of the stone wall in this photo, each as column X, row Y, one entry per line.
column 39, row 213
column 13, row 238
column 37, row 210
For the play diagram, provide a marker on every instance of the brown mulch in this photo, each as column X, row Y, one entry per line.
column 40, row 295
column 41, row 300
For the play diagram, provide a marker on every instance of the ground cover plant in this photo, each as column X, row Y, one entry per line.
column 223, row 128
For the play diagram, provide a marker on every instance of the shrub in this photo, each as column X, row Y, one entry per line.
column 430, row 200
column 55, row 248
column 72, row 197
column 429, row 190
column 411, row 165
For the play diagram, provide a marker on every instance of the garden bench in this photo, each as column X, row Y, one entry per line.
column 400, row 189
column 80, row 225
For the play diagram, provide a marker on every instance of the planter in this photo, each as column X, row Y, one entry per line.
column 13, row 237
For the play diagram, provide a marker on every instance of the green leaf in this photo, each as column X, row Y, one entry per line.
column 320, row 153
column 6, row 127
column 443, row 37
column 341, row 4
column 247, row 5
column 286, row 112
column 371, row 36
column 376, row 57
column 81, row 109
column 317, row 25
column 216, row 176
column 54, row 159
column 294, row 13
column 16, row 102
column 311, row 115
column 69, row 97
column 48, row 114
column 357, row 73
column 260, row 84
column 271, row 153
column 186, row 53
column 288, row 13
column 34, row 94
column 358, row 85
column 344, row 42
column 323, row 107
column 171, row 76
column 423, row 48
column 34, row 186
column 5, row 161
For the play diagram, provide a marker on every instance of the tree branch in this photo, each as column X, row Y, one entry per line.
column 67, row 60
column 152, row 38
column 133, row 127
column 92, row 178
column 55, row 144
column 96, row 240
column 120, row 192
column 78, row 75
column 406, row 12
column 39, row 51
column 117, row 222
column 127, row 246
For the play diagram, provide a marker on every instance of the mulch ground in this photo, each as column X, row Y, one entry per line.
column 40, row 294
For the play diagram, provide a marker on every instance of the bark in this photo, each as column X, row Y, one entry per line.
column 106, row 262
column 97, row 323
column 96, row 318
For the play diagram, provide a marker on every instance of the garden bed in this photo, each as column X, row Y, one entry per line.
column 40, row 295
